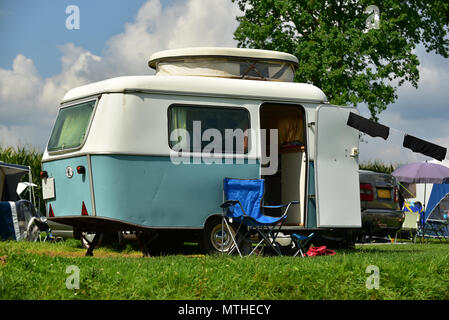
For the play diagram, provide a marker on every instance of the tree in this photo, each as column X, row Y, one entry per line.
column 356, row 52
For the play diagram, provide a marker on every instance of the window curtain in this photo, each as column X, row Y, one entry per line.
column 71, row 126
column 288, row 120
column 73, row 129
column 179, row 121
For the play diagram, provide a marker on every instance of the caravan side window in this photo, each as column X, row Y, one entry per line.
column 208, row 129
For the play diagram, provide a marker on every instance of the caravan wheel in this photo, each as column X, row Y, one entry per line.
column 217, row 238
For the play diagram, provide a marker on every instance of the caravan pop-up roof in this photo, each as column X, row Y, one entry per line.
column 235, row 63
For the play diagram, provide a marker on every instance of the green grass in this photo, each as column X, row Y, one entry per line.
column 38, row 271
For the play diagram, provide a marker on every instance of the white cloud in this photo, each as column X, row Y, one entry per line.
column 29, row 103
column 8, row 137
column 191, row 23
column 78, row 68
column 24, row 73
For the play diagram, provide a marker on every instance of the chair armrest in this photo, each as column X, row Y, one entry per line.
column 282, row 205
column 229, row 203
column 275, row 207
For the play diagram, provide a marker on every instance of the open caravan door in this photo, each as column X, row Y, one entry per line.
column 336, row 169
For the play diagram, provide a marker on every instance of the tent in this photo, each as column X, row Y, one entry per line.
column 10, row 175
column 19, row 220
column 436, row 220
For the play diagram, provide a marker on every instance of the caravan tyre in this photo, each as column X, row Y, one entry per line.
column 215, row 238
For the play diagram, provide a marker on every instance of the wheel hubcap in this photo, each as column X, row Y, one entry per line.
column 221, row 238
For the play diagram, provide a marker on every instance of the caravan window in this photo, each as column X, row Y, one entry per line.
column 71, row 125
column 208, row 129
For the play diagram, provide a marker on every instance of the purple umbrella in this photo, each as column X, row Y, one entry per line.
column 422, row 172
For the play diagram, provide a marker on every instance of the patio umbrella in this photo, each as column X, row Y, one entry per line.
column 422, row 172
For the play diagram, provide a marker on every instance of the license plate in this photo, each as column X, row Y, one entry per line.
column 383, row 194
column 48, row 188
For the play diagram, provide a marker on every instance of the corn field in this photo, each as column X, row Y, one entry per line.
column 378, row 166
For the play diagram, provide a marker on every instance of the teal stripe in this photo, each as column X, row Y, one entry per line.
column 154, row 192
column 69, row 193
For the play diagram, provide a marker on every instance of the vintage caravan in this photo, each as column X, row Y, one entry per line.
column 149, row 153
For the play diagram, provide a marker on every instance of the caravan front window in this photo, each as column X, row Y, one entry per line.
column 71, row 125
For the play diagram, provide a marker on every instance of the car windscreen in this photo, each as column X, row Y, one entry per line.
column 71, row 125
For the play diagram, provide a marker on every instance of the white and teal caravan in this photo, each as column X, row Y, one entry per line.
column 113, row 163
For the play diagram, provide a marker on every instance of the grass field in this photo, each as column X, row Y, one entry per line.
column 38, row 271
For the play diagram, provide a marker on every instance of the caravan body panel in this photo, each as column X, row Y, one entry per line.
column 131, row 177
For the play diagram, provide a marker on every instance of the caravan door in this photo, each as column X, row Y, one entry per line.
column 336, row 169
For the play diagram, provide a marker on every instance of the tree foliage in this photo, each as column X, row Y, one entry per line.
column 351, row 63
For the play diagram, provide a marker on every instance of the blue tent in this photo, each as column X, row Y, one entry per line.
column 436, row 220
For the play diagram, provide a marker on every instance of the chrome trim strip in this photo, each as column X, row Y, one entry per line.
column 184, row 154
column 91, row 184
column 201, row 94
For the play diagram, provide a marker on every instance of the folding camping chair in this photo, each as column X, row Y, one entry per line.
column 243, row 206
column 301, row 242
column 19, row 220
column 436, row 228
column 411, row 219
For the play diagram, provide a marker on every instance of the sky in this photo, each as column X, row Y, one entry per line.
column 42, row 58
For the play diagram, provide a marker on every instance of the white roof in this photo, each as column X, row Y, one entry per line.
column 221, row 52
column 252, row 89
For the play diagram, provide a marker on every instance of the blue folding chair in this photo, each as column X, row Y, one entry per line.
column 301, row 243
column 243, row 206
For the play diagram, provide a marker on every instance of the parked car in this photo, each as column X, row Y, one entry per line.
column 379, row 202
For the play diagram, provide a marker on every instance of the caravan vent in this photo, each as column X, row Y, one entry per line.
column 226, row 63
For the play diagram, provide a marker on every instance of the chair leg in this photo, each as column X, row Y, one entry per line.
column 272, row 243
column 299, row 251
column 301, row 243
column 255, row 248
column 93, row 244
column 232, row 237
